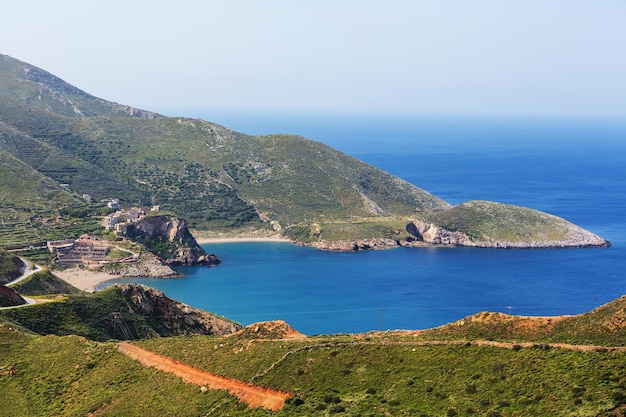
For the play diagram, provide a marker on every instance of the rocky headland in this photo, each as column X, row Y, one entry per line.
column 169, row 239
column 178, row 318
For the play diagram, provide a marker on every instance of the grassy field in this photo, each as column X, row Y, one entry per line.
column 489, row 364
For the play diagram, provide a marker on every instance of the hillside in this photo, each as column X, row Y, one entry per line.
column 604, row 326
column 119, row 312
column 44, row 283
column 10, row 266
column 210, row 175
column 67, row 143
column 429, row 373
column 34, row 208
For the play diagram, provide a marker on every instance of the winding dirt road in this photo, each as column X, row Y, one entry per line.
column 252, row 395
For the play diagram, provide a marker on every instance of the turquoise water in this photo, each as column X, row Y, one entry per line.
column 575, row 170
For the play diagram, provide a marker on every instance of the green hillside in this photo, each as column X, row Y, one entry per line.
column 491, row 224
column 485, row 220
column 429, row 373
column 118, row 312
column 34, row 208
column 212, row 176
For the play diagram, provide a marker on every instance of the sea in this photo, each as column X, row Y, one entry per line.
column 572, row 167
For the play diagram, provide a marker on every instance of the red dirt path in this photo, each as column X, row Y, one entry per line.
column 252, row 395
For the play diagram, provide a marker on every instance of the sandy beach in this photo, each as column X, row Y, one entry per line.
column 82, row 279
column 87, row 280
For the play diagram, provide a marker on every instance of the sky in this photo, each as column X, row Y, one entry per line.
column 565, row 57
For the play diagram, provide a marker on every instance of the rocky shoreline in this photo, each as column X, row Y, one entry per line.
column 149, row 265
column 428, row 235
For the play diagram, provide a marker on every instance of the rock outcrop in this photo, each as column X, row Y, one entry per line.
column 10, row 298
column 430, row 233
column 169, row 238
column 178, row 318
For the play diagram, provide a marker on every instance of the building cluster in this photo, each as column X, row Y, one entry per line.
column 122, row 217
column 82, row 251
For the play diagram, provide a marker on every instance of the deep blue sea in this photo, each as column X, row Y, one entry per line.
column 573, row 168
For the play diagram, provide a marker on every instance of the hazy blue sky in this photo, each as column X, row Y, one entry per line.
column 437, row 56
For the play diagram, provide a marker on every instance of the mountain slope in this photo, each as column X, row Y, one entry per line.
column 603, row 326
column 481, row 366
column 34, row 208
column 213, row 176
column 219, row 179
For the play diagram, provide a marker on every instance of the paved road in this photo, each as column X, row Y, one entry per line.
column 28, row 271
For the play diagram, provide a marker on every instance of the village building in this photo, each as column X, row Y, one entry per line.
column 110, row 221
column 120, row 228
column 114, row 204
column 81, row 251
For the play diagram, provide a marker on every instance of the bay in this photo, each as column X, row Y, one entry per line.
column 571, row 168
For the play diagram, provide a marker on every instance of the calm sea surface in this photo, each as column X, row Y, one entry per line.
column 575, row 169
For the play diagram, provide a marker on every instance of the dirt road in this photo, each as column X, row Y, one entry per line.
column 252, row 395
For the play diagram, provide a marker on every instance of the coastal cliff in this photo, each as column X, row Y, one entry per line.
column 171, row 317
column 169, row 238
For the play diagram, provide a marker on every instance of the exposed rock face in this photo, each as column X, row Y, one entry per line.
column 357, row 245
column 10, row 298
column 169, row 238
column 149, row 265
column 177, row 317
column 428, row 232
